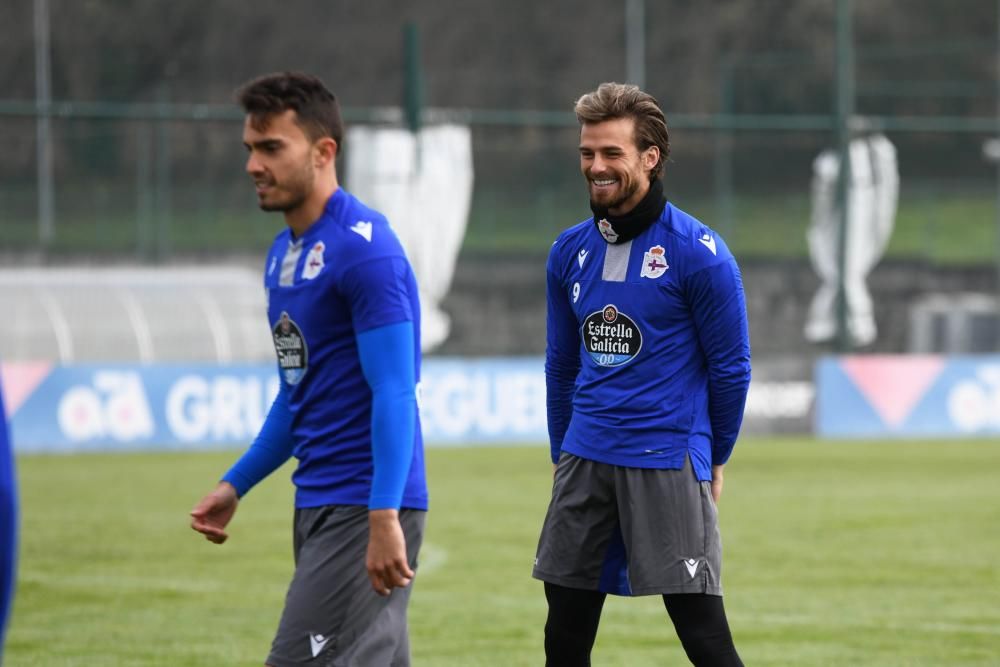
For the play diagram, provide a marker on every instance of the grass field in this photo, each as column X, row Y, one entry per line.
column 835, row 554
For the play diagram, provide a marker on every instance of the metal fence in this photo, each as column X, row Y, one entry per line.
column 174, row 187
column 152, row 173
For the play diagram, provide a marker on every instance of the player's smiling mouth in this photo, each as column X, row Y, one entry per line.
column 603, row 182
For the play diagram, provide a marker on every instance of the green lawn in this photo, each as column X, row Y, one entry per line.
column 835, row 554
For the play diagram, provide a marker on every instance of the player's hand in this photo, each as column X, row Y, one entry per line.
column 386, row 558
column 716, row 483
column 213, row 513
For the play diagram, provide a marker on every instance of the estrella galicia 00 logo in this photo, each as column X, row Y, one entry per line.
column 611, row 337
column 290, row 346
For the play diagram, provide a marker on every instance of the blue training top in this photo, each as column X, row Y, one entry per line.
column 345, row 317
column 8, row 526
column 648, row 353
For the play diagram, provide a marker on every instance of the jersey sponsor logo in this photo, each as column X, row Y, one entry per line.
column 611, row 337
column 581, row 257
column 314, row 261
column 290, row 346
column 607, row 231
column 363, row 229
column 316, row 643
column 708, row 241
column 654, row 263
column 692, row 566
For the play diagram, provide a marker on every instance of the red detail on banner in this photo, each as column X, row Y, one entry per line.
column 19, row 380
column 893, row 384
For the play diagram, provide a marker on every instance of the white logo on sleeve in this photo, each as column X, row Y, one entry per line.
column 317, row 642
column 708, row 241
column 363, row 229
column 692, row 566
column 581, row 257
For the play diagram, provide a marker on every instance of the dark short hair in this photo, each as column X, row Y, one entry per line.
column 620, row 100
column 316, row 109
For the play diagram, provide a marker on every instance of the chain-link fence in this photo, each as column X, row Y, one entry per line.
column 161, row 189
column 146, row 160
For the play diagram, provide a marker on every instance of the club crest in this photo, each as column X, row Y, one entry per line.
column 654, row 263
column 314, row 261
column 607, row 231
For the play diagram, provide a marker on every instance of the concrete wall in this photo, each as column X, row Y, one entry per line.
column 497, row 308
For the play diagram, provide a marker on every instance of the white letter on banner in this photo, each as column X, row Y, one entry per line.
column 188, row 428
column 271, row 388
column 254, row 406
column 227, row 409
column 491, row 408
column 966, row 406
column 80, row 414
column 528, row 409
column 974, row 405
column 126, row 410
column 446, row 406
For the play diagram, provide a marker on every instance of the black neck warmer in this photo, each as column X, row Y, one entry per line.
column 622, row 228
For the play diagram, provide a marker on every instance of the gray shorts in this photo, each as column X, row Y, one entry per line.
column 630, row 531
column 332, row 616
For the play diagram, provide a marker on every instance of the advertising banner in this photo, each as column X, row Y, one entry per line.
column 908, row 396
column 109, row 407
column 781, row 398
column 463, row 401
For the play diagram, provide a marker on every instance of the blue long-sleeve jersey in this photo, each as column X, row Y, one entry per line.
column 344, row 314
column 648, row 354
column 8, row 526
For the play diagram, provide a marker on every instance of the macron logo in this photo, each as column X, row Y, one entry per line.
column 364, row 230
column 317, row 642
column 581, row 258
column 691, row 564
column 708, row 242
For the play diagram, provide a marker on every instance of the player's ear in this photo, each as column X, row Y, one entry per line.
column 326, row 151
column 650, row 157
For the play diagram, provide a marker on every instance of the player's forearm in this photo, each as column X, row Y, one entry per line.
column 719, row 311
column 269, row 450
column 560, row 381
column 387, row 359
column 727, row 400
column 562, row 362
column 393, row 423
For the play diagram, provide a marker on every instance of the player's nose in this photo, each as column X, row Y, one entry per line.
column 597, row 165
column 253, row 165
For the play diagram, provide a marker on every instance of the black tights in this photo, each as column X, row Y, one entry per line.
column 700, row 622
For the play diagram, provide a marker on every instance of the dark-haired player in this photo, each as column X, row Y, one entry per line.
column 345, row 319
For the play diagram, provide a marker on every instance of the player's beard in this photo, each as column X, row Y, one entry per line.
column 296, row 188
column 627, row 187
